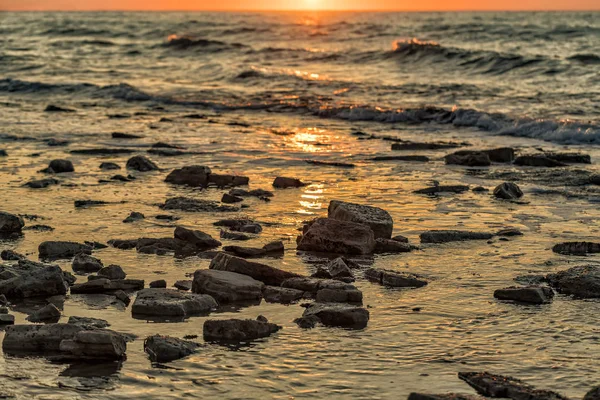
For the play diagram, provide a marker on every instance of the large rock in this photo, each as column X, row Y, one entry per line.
column 275, row 294
column 538, row 160
column 34, row 280
column 103, row 285
column 443, row 236
column 333, row 236
column 337, row 315
column 394, row 279
column 226, row 286
column 581, row 281
column 47, row 313
column 238, row 330
column 469, row 159
column 198, row 239
column 37, row 338
column 56, row 250
column 195, row 175
column 94, row 345
column 166, row 348
column 379, row 220
column 499, row 386
column 508, row 191
column 141, row 163
column 10, row 223
column 194, row 205
column 85, row 263
column 169, row 303
column 525, row 294
column 261, row 272
column 576, row 248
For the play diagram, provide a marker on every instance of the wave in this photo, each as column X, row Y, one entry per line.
column 187, row 42
column 586, row 58
column 557, row 131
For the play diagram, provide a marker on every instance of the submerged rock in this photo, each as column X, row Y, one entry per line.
column 407, row 145
column 120, row 135
column 443, row 189
column 47, row 313
column 222, row 181
column 332, row 236
column 41, row 183
column 226, row 286
column 336, row 315
column 499, row 155
column 469, row 159
column 103, row 285
column 10, row 223
column 166, row 348
column 499, row 386
column 171, row 303
column 274, row 294
column 9, row 255
column 447, row 396
column 401, row 158
column 109, row 166
column 87, row 203
column 195, row 175
column 379, row 220
column 133, row 217
column 508, row 191
column 334, row 291
column 574, row 158
column 576, row 248
column 538, row 160
column 194, row 205
column 85, row 263
column 238, row 330
column 88, row 323
column 582, row 281
column 141, row 163
column 240, row 225
column 444, row 236
column 282, row 183
column 391, row 246
column 250, row 193
column 394, row 279
column 230, row 199
column 526, row 294
column 273, row 249
column 509, row 232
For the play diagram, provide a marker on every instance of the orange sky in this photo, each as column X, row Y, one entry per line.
column 299, row 5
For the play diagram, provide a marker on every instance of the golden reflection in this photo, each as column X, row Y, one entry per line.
column 312, row 204
column 310, row 140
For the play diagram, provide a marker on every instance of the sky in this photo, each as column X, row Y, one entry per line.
column 233, row 5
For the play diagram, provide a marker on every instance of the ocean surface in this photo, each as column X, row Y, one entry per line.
column 258, row 94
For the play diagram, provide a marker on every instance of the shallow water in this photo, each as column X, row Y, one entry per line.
column 288, row 118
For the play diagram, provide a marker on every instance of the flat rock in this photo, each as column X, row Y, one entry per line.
column 333, row 291
column 226, row 286
column 272, row 249
column 401, row 158
column 508, row 191
column 41, row 183
column 499, row 155
column 573, row 158
column 525, row 294
column 446, row 396
column 166, row 348
column 537, row 160
column 443, row 189
column 195, row 175
column 336, row 315
column 408, row 145
column 47, row 313
column 576, row 248
column 394, row 279
column 88, row 323
column 120, row 135
column 109, row 166
column 499, row 386
column 183, row 285
column 470, row 159
column 94, row 345
column 37, row 338
column 101, row 151
column 7, row 319
column 141, row 163
column 275, row 294
column 104, row 285
column 171, row 303
column 509, row 232
column 223, row 180
column 379, row 220
column 84, row 263
column 283, row 183
column 333, row 236
column 580, row 281
column 240, row 225
column 238, row 330
column 230, row 199
column 444, row 236
column 261, row 272
column 391, row 246
column 57, row 250
column 250, row 193
column 87, row 203
column 194, row 205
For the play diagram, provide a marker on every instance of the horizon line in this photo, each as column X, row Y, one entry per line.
column 309, row 10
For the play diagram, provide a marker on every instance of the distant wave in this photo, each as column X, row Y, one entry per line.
column 187, row 42
column 565, row 132
column 586, row 58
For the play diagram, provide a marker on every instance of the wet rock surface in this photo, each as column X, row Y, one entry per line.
column 498, row 386
column 226, row 286
column 283, row 183
column 576, row 248
column 238, row 330
column 394, row 279
column 342, row 237
column 525, row 294
column 59, row 250
column 442, row 236
column 165, row 348
column 171, row 303
column 508, row 191
column 193, row 205
column 261, row 272
column 379, row 220
column 336, row 315
column 580, row 281
column 141, row 164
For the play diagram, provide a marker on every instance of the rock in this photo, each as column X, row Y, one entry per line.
column 47, row 313
column 222, row 181
column 508, row 191
column 226, row 286
column 141, row 163
column 237, row 330
column 57, row 250
column 87, row 203
column 261, row 272
column 167, row 217
column 88, row 323
column 509, row 232
column 273, row 248
column 394, row 279
column 162, row 246
column 53, row 108
column 7, row 319
column 447, row 396
column 34, row 280
column 195, row 175
column 183, row 285
column 171, row 303
column 163, row 349
column 193, row 205
column 9, row 255
column 499, row 386
column 538, row 160
column 94, row 345
column 338, row 269
column 581, row 281
column 112, row 272
column 443, row 189
column 252, row 193
column 400, row 238
column 274, row 294
column 3, row 300
column 576, row 248
column 123, row 244
column 3, row 153
column 401, row 158
column 167, row 152
column 103, row 285
column 134, row 216
column 443, row 236
column 229, row 199
column 84, row 263
column 119, row 135
column 41, row 183
column 161, row 283
column 333, row 291
column 576, row 158
column 38, row 228
column 233, row 235
column 391, row 246
column 123, row 297
column 60, row 166
column 283, row 183
column 336, row 315
column 101, row 151
column 379, row 220
column 480, row 189
column 10, row 224
column 332, row 236
column 407, row 145
column 35, row 338
column 469, row 159
column 525, row 294
column 593, row 394
column 198, row 239
column 240, row 225
column 500, row 155
column 108, row 166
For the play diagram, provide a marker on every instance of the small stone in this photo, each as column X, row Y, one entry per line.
column 161, row 283
column 133, row 217
column 141, row 163
column 183, row 285
column 60, row 166
column 163, row 349
column 229, row 199
column 283, row 183
column 525, row 294
column 123, row 297
column 108, row 166
column 84, row 263
column 238, row 330
column 508, row 191
column 46, row 313
column 112, row 272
